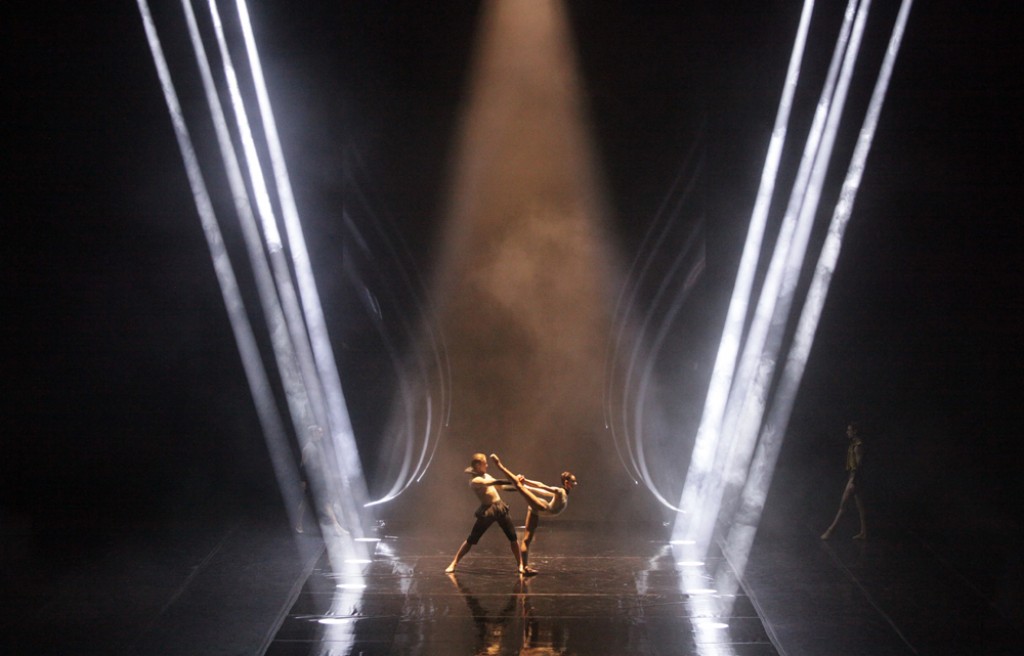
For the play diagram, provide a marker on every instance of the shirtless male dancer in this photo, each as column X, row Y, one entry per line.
column 492, row 509
column 543, row 500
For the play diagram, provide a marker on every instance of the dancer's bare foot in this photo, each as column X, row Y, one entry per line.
column 826, row 535
column 450, row 569
column 528, row 571
column 861, row 536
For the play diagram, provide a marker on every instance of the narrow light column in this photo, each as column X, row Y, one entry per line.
column 700, row 473
column 755, row 491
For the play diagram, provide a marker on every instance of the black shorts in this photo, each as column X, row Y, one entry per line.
column 487, row 515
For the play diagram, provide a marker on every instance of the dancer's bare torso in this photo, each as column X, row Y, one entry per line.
column 484, row 488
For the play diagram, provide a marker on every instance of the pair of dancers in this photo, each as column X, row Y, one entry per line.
column 542, row 499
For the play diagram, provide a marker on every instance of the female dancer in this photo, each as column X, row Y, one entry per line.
column 542, row 499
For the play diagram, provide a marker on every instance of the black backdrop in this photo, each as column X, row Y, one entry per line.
column 124, row 397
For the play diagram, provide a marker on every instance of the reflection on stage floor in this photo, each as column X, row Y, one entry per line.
column 596, row 593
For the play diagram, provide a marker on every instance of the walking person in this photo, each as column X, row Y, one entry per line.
column 854, row 484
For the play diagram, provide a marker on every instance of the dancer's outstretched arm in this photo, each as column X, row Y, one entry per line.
column 537, row 485
column 533, row 483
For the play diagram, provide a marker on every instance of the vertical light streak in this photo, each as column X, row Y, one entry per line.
column 757, row 334
column 339, row 421
column 263, row 205
column 282, row 339
column 772, row 312
column 700, row 472
column 753, row 412
column 265, row 211
column 303, row 389
column 755, row 491
column 274, row 433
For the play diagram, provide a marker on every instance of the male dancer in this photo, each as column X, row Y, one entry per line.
column 492, row 509
column 543, row 500
column 854, row 484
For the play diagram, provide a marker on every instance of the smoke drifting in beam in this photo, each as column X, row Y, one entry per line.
column 335, row 483
column 754, row 422
column 526, row 279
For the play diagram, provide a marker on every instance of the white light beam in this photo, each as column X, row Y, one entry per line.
column 285, row 469
column 771, row 316
column 305, row 388
column 702, row 461
column 339, row 421
column 755, row 491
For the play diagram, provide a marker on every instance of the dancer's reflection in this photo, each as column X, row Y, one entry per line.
column 537, row 639
column 540, row 639
column 492, row 628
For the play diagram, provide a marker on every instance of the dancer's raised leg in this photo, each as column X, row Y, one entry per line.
column 531, row 498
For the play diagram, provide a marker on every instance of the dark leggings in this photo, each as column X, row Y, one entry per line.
column 488, row 515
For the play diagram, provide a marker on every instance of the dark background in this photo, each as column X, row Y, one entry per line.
column 123, row 395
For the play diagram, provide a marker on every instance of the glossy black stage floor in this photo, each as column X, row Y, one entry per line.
column 249, row 585
column 628, row 591
column 597, row 593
